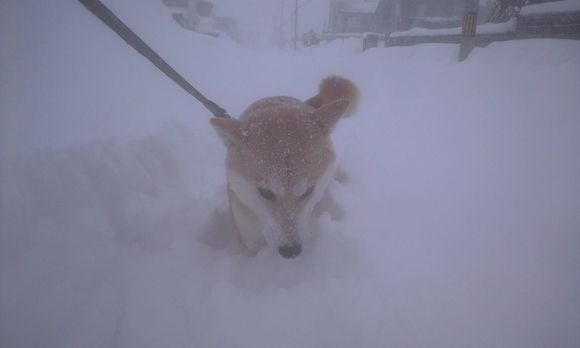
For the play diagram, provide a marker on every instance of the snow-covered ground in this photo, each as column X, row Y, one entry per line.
column 458, row 224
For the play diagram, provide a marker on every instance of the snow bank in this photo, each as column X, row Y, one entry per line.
column 486, row 28
column 336, row 47
column 456, row 223
column 551, row 7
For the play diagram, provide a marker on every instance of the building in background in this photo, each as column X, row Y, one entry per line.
column 387, row 16
column 197, row 15
column 348, row 16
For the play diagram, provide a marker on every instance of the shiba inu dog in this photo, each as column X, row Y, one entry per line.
column 280, row 160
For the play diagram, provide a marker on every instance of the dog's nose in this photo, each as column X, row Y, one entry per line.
column 290, row 251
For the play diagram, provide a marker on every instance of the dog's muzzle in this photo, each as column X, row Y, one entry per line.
column 290, row 251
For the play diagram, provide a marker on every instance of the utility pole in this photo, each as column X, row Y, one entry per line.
column 468, row 31
column 282, row 25
column 296, row 7
column 295, row 23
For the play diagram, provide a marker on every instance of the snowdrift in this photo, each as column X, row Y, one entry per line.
column 458, row 214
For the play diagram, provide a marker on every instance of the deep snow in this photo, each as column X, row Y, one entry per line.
column 458, row 223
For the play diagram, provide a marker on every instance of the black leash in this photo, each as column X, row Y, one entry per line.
column 113, row 22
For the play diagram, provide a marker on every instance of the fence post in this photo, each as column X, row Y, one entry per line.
column 370, row 41
column 468, row 31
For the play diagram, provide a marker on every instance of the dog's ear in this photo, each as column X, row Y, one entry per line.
column 315, row 102
column 229, row 130
column 326, row 117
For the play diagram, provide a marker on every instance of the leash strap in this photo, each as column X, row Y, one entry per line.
column 113, row 22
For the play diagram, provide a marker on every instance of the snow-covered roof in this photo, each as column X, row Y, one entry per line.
column 357, row 6
column 551, row 7
column 175, row 3
column 363, row 6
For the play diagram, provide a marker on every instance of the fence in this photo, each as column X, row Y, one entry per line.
column 561, row 25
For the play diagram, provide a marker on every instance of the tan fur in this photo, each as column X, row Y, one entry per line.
column 280, row 159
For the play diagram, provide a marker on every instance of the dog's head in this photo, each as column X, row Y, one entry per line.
column 279, row 162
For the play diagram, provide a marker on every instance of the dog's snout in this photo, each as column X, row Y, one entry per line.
column 290, row 251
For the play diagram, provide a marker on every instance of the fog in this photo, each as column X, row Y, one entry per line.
column 456, row 221
column 259, row 20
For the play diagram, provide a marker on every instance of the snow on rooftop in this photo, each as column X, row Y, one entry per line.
column 363, row 6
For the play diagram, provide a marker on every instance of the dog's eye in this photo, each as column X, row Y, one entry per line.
column 267, row 194
column 307, row 193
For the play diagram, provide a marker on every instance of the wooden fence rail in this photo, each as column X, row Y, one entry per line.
column 560, row 26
